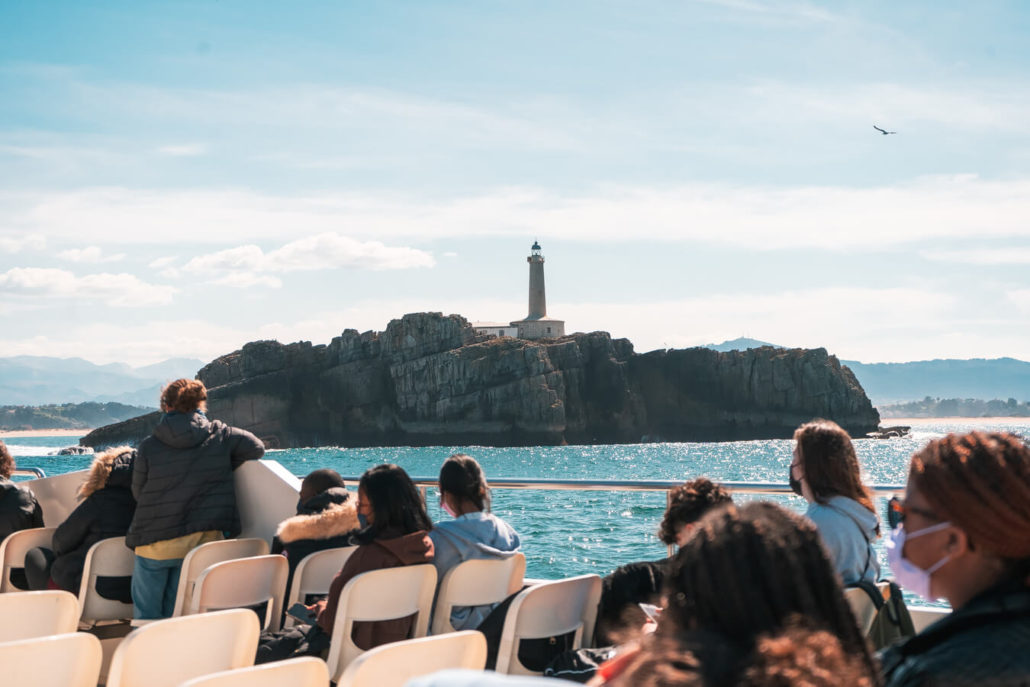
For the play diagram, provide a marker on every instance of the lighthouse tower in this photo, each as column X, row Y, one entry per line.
column 537, row 324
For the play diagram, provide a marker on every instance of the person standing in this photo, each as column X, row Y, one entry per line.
column 185, row 495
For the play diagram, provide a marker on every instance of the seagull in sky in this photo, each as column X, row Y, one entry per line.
column 883, row 131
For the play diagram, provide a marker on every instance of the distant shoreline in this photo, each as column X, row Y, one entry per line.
column 43, row 432
column 890, row 421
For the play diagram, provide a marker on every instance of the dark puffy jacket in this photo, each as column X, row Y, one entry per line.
column 106, row 511
column 182, row 478
column 19, row 509
column 325, row 521
column 986, row 642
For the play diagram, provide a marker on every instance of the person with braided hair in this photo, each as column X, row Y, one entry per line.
column 825, row 472
column 962, row 533
column 474, row 532
column 746, row 573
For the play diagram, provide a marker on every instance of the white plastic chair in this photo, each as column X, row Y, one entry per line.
column 166, row 653
column 477, row 583
column 392, row 665
column 306, row 671
column 244, row 583
column 206, row 555
column 547, row 610
column 25, row 615
column 107, row 558
column 314, row 574
column 64, row 660
column 14, row 548
column 385, row 594
column 863, row 607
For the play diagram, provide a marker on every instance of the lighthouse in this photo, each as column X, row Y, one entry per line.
column 537, row 325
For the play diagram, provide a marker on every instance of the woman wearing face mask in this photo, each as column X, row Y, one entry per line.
column 474, row 532
column 825, row 472
column 963, row 534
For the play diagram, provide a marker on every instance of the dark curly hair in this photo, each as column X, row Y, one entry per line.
column 6, row 462
column 687, row 503
column 751, row 570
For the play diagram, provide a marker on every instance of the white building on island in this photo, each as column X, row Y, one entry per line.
column 536, row 325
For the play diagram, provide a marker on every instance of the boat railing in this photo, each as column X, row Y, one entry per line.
column 31, row 473
column 754, row 488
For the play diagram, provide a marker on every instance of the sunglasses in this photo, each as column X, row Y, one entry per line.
column 897, row 511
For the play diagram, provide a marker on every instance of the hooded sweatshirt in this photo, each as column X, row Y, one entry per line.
column 182, row 478
column 106, row 511
column 475, row 535
column 848, row 530
column 391, row 549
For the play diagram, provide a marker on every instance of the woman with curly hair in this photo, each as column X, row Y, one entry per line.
column 19, row 509
column 962, row 533
column 185, row 494
column 825, row 472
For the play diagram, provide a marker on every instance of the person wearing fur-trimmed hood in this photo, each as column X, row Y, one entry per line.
column 105, row 511
column 326, row 518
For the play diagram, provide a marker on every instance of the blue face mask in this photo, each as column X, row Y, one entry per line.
column 908, row 574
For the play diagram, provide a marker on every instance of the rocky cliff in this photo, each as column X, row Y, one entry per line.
column 429, row 379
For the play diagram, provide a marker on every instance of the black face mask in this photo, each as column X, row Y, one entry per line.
column 795, row 485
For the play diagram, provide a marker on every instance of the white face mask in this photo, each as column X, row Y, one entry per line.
column 447, row 508
column 906, row 573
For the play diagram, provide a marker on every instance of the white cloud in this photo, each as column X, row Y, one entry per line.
column 30, row 241
column 183, row 150
column 981, row 256
column 118, row 290
column 246, row 266
column 90, row 254
column 165, row 261
column 833, row 217
column 1020, row 298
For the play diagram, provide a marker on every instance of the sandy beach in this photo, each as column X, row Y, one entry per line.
column 43, row 432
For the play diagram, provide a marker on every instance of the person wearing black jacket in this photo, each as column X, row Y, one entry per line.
column 185, row 494
column 106, row 511
column 326, row 518
column 19, row 509
column 962, row 533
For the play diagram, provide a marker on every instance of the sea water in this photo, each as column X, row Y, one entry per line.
column 571, row 533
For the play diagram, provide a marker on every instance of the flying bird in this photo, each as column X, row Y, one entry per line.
column 882, row 131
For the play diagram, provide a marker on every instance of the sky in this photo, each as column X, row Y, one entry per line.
column 179, row 178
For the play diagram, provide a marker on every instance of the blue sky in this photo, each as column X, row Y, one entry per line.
column 178, row 178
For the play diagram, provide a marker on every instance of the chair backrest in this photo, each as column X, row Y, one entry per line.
column 13, row 550
column 107, row 558
column 65, row 660
column 384, row 594
column 25, row 615
column 547, row 610
column 863, row 606
column 392, row 665
column 314, row 574
column 244, row 583
column 166, row 653
column 306, row 671
column 206, row 555
column 477, row 583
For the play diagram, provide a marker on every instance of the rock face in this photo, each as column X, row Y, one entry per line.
column 431, row 380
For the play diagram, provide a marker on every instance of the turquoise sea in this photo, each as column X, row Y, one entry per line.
column 568, row 533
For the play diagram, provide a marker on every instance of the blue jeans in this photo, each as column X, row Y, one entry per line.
column 154, row 585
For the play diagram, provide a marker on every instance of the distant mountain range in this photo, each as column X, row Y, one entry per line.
column 884, row 383
column 39, row 380
column 67, row 416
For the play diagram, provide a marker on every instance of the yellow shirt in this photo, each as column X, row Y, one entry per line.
column 169, row 549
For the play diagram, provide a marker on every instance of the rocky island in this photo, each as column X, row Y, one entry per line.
column 430, row 379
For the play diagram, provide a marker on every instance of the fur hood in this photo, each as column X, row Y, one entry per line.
column 111, row 467
column 334, row 521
